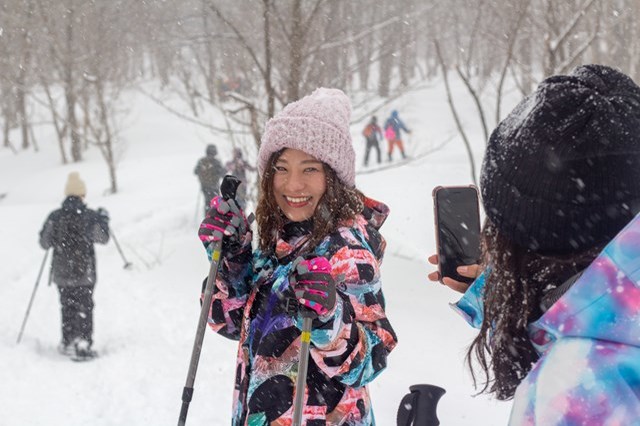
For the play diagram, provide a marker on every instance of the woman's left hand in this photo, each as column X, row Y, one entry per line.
column 469, row 271
column 313, row 284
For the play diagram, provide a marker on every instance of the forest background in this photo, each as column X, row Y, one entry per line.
column 248, row 58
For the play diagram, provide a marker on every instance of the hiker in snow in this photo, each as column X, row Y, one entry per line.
column 209, row 171
column 372, row 134
column 238, row 167
column 558, row 304
column 318, row 248
column 392, row 132
column 72, row 231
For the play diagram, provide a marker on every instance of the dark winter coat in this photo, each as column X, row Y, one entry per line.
column 209, row 170
column 72, row 231
column 349, row 345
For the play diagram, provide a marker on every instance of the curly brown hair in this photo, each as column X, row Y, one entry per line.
column 516, row 281
column 338, row 204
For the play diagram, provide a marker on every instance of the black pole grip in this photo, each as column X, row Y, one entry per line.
column 418, row 408
column 229, row 186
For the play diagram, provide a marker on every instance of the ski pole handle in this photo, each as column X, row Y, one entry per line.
column 419, row 407
column 229, row 187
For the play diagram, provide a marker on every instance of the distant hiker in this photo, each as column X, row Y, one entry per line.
column 392, row 128
column 72, row 231
column 238, row 167
column 209, row 171
column 372, row 134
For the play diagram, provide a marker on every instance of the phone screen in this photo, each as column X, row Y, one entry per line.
column 458, row 229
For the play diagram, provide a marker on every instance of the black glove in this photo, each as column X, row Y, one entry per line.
column 103, row 214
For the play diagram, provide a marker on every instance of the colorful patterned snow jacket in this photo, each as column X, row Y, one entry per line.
column 349, row 345
column 589, row 341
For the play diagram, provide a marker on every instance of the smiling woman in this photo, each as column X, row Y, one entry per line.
column 319, row 255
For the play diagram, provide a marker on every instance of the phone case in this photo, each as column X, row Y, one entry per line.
column 437, row 224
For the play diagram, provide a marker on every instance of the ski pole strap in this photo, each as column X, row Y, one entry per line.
column 418, row 408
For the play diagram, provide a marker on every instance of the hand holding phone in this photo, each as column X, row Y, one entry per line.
column 469, row 271
column 457, row 218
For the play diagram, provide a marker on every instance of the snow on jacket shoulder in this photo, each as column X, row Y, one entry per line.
column 589, row 341
column 349, row 345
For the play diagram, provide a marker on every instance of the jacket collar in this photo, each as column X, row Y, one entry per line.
column 604, row 302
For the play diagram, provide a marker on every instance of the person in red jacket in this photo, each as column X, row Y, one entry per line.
column 373, row 135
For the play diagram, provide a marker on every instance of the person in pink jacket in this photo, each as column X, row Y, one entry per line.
column 558, row 302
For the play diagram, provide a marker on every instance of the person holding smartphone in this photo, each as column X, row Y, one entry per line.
column 556, row 297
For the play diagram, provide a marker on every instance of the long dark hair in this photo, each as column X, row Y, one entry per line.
column 515, row 284
column 338, row 204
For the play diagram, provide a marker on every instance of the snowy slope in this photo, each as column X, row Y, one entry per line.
column 145, row 318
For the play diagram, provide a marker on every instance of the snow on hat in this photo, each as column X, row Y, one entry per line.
column 318, row 125
column 75, row 185
column 561, row 173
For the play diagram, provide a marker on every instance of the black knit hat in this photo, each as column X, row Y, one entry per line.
column 562, row 172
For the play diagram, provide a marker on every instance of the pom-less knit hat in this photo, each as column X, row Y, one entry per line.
column 75, row 185
column 562, row 172
column 318, row 125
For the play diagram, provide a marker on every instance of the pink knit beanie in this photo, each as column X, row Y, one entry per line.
column 318, row 125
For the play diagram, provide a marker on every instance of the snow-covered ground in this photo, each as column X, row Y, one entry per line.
column 146, row 317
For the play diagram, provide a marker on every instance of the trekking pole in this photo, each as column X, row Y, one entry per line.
column 127, row 264
column 228, row 190
column 33, row 295
column 303, row 364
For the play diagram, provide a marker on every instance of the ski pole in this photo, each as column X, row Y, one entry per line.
column 33, row 295
column 127, row 264
column 303, row 364
column 228, row 189
column 418, row 408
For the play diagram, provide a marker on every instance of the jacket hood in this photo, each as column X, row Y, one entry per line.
column 375, row 212
column 604, row 303
column 73, row 202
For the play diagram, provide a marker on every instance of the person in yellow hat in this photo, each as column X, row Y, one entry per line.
column 71, row 231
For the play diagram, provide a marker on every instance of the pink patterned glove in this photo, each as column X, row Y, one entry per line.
column 225, row 222
column 313, row 284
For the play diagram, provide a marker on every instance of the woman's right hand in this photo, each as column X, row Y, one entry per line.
column 469, row 271
column 225, row 221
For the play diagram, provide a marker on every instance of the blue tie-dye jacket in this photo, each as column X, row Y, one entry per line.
column 589, row 341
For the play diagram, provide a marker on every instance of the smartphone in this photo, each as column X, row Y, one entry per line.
column 457, row 218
